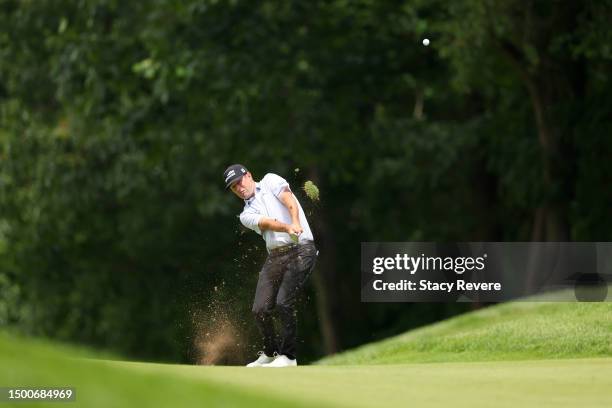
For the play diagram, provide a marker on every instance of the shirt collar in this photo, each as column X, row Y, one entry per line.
column 250, row 200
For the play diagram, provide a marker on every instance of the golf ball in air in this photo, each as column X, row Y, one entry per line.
column 426, row 42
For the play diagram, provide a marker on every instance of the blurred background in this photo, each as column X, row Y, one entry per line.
column 118, row 119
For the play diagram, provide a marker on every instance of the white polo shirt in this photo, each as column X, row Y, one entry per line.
column 265, row 203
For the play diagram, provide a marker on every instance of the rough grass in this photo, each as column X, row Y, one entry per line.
column 510, row 331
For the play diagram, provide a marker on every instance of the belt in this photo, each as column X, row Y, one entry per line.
column 286, row 248
column 283, row 249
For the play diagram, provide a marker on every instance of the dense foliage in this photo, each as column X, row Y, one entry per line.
column 118, row 118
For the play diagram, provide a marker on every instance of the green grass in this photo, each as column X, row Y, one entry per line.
column 430, row 367
column 510, row 331
column 106, row 383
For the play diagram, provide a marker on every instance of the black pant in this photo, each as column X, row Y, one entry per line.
column 281, row 279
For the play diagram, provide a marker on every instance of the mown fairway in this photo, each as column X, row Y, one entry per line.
column 560, row 383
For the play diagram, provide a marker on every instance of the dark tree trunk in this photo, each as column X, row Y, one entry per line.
column 551, row 82
column 550, row 217
column 550, row 220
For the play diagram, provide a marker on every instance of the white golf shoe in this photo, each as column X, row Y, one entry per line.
column 261, row 360
column 282, row 361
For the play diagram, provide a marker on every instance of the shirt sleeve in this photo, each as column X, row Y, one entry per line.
column 275, row 183
column 251, row 220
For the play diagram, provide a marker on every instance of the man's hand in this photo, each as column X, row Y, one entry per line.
column 294, row 229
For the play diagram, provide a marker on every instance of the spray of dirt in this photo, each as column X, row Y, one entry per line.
column 219, row 343
column 220, row 336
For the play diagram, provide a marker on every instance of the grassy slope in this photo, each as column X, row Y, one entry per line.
column 510, row 331
column 540, row 330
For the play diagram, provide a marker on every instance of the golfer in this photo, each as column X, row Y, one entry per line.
column 271, row 210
